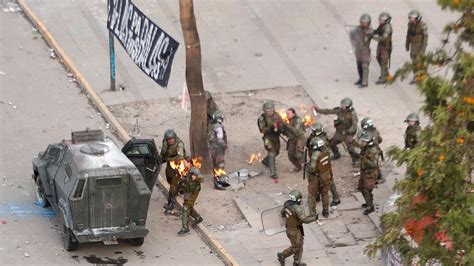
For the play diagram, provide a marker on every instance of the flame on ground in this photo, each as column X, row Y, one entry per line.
column 254, row 157
column 218, row 172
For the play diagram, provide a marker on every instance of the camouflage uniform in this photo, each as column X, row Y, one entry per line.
column 190, row 185
column 296, row 140
column 417, row 38
column 336, row 200
column 320, row 177
column 362, row 37
column 383, row 34
column 346, row 128
column 412, row 135
column 371, row 129
column 368, row 173
column 172, row 153
column 271, row 128
column 295, row 217
column 217, row 139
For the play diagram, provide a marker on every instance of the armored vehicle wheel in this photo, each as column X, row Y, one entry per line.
column 40, row 196
column 136, row 241
column 68, row 239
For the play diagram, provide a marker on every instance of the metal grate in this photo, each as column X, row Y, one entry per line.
column 105, row 182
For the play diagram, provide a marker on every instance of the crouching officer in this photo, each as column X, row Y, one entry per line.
column 412, row 133
column 368, row 170
column 317, row 130
column 217, row 139
column 172, row 150
column 190, row 185
column 271, row 126
column 346, row 128
column 295, row 217
column 320, row 176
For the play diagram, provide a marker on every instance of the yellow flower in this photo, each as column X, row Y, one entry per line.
column 469, row 100
column 441, row 157
column 420, row 172
column 420, row 77
column 460, row 140
column 456, row 2
column 389, row 77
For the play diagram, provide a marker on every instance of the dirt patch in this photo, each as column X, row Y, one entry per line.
column 151, row 119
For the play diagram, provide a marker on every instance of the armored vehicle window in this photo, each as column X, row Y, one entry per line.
column 139, row 149
column 52, row 153
column 68, row 172
column 80, row 188
column 105, row 182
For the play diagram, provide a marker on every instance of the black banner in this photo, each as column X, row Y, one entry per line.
column 150, row 48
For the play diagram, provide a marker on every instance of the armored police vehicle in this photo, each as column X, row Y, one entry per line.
column 99, row 192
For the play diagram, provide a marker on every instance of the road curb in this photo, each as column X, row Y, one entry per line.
column 207, row 236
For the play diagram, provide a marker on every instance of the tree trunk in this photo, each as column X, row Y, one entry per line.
column 198, row 124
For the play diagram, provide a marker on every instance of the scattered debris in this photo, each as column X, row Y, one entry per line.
column 22, row 48
column 221, row 227
column 11, row 7
column 258, row 54
column 26, row 254
column 52, row 55
column 2, row 73
column 107, row 126
column 122, row 86
column 3, row 222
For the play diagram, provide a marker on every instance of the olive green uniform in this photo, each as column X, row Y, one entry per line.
column 271, row 128
column 346, row 128
column 323, row 136
column 417, row 38
column 320, row 177
column 368, row 172
column 295, row 217
column 171, row 153
column 190, row 185
column 383, row 34
column 296, row 141
column 362, row 37
column 377, row 140
column 412, row 135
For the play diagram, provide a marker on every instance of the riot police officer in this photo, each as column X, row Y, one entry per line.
column 368, row 171
column 190, row 185
column 295, row 218
column 417, row 37
column 295, row 131
column 172, row 150
column 383, row 35
column 346, row 128
column 217, row 139
column 362, row 36
column 320, row 176
column 412, row 133
column 317, row 130
column 367, row 125
column 271, row 126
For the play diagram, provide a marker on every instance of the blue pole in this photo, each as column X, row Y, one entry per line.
column 112, row 61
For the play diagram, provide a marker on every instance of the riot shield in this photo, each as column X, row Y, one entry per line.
column 272, row 221
column 355, row 39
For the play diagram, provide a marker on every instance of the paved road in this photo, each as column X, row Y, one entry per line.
column 39, row 105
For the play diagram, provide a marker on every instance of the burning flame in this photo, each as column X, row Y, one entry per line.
column 218, row 172
column 197, row 162
column 308, row 120
column 254, row 157
column 283, row 116
column 180, row 165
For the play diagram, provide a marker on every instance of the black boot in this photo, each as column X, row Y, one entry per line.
column 281, row 258
column 197, row 221
column 335, row 203
column 326, row 213
column 183, row 231
column 318, row 197
column 369, row 210
column 218, row 185
column 358, row 82
column 335, row 156
column 364, row 205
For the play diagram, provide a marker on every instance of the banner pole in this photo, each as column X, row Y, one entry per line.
column 112, row 60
